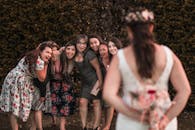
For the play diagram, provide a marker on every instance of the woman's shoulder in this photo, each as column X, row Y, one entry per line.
column 90, row 54
column 125, row 51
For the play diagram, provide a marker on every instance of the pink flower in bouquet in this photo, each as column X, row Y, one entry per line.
column 152, row 101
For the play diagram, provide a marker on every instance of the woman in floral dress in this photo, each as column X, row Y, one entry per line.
column 17, row 89
column 61, row 86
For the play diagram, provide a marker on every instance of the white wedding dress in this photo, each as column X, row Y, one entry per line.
column 130, row 83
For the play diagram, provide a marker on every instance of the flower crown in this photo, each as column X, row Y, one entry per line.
column 143, row 16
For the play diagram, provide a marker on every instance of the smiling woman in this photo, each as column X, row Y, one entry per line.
column 61, row 86
column 17, row 90
column 88, row 66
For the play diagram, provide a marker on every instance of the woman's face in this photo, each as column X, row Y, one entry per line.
column 103, row 50
column 46, row 54
column 70, row 51
column 55, row 53
column 81, row 45
column 112, row 48
column 94, row 44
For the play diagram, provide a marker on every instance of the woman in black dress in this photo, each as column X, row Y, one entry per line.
column 88, row 66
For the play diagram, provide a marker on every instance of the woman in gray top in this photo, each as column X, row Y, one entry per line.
column 89, row 68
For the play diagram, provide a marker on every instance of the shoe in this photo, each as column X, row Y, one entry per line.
column 85, row 128
column 97, row 128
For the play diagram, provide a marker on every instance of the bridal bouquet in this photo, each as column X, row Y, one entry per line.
column 152, row 100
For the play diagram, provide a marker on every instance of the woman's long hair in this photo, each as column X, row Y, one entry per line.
column 143, row 46
column 67, row 64
column 32, row 56
column 96, row 36
column 116, row 42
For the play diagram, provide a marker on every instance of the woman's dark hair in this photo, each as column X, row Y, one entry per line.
column 96, row 36
column 143, row 46
column 32, row 56
column 106, row 44
column 81, row 36
column 67, row 66
column 53, row 44
column 117, row 42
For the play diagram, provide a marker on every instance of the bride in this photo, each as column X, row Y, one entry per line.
column 145, row 63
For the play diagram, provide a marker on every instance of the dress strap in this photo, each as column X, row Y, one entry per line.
column 169, row 63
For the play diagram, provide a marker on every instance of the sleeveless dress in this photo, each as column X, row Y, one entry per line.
column 130, row 83
column 17, row 90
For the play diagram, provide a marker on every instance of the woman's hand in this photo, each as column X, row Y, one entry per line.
column 100, row 85
column 42, row 99
column 163, row 122
column 140, row 116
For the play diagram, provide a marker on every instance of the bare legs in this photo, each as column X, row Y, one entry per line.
column 37, row 120
column 54, row 120
column 97, row 113
column 83, row 107
column 109, row 112
column 84, row 110
column 62, row 123
column 14, row 122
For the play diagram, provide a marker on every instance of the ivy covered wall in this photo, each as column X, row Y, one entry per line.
column 25, row 23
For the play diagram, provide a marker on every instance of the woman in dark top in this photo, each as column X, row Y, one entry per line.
column 94, row 43
column 61, row 86
column 107, row 51
column 88, row 66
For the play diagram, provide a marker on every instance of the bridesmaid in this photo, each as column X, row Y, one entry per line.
column 17, row 90
column 94, row 43
column 61, row 86
column 88, row 66
column 38, row 103
column 107, row 51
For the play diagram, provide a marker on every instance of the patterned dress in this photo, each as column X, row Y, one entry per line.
column 62, row 95
column 62, row 98
column 17, row 90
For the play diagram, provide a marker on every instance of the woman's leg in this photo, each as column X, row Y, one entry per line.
column 54, row 120
column 108, row 117
column 97, row 113
column 83, row 106
column 33, row 123
column 14, row 122
column 38, row 120
column 62, row 123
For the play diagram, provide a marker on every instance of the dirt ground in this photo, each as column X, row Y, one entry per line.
column 185, row 122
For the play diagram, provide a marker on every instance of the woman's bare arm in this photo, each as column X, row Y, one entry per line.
column 110, row 91
column 96, row 66
column 181, row 85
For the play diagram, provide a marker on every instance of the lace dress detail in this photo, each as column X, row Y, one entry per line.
column 132, row 84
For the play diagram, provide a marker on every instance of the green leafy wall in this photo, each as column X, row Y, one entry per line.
column 25, row 23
